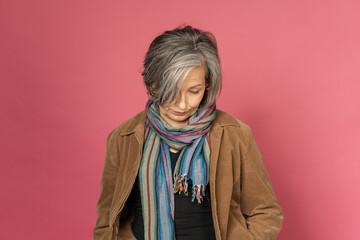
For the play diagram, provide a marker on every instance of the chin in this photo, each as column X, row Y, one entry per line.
column 180, row 118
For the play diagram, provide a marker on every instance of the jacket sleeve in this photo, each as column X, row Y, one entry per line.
column 258, row 203
column 107, row 185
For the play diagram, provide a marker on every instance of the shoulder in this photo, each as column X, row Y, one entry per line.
column 233, row 129
column 224, row 119
column 234, row 132
column 129, row 126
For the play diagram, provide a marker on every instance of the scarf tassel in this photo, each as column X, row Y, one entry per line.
column 199, row 193
column 181, row 185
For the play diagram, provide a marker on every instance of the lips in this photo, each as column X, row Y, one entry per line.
column 179, row 113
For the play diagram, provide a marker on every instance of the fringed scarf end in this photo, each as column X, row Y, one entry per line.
column 180, row 184
column 198, row 193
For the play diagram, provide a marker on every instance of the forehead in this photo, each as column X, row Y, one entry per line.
column 195, row 77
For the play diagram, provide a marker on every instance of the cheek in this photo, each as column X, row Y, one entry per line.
column 195, row 101
column 164, row 108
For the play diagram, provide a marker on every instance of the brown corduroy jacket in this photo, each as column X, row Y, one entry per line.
column 242, row 198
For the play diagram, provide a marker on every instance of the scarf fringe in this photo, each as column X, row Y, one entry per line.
column 181, row 185
column 199, row 193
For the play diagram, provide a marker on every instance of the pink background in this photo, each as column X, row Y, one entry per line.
column 70, row 73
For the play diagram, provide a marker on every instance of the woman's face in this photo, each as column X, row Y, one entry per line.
column 188, row 100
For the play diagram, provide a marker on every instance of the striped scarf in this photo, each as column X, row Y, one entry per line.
column 157, row 182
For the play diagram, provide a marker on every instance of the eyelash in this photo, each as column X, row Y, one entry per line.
column 194, row 92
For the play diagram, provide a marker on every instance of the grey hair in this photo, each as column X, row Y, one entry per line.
column 172, row 55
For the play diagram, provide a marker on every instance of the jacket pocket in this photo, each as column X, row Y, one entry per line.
column 237, row 228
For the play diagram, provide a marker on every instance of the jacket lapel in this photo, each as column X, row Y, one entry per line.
column 215, row 138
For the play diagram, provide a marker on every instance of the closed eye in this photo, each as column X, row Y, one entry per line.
column 194, row 92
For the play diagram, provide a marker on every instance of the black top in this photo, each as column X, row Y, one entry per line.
column 192, row 220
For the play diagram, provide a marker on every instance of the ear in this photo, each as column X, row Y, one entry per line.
column 154, row 90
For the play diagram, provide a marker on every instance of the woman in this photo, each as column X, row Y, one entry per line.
column 183, row 169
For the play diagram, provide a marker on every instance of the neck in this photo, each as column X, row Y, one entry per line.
column 173, row 150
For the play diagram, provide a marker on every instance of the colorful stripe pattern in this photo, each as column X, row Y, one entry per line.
column 157, row 182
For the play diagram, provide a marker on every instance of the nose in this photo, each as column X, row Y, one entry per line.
column 180, row 101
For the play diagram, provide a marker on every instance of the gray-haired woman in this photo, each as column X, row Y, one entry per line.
column 183, row 169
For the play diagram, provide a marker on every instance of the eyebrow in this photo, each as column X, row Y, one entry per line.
column 198, row 85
